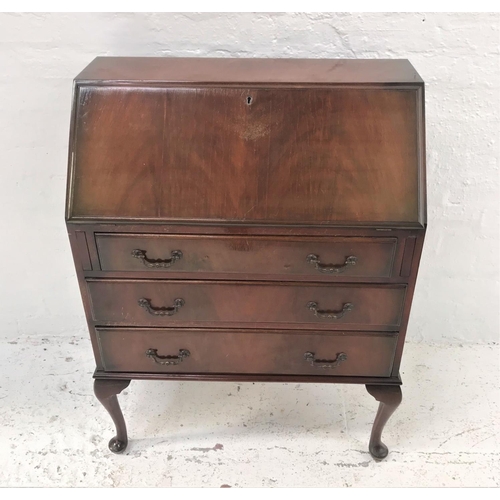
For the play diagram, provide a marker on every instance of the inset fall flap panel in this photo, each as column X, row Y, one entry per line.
column 304, row 155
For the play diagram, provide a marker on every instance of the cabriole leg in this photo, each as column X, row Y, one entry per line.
column 106, row 391
column 390, row 397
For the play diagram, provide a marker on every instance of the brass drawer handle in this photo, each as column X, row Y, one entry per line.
column 167, row 360
column 325, row 363
column 161, row 311
column 313, row 306
column 313, row 259
column 157, row 263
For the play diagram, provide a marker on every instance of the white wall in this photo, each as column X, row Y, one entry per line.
column 457, row 55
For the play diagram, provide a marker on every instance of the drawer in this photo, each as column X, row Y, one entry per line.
column 216, row 351
column 249, row 155
column 256, row 255
column 254, row 305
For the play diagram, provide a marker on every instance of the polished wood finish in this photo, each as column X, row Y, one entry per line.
column 390, row 398
column 226, row 71
column 185, row 154
column 106, row 392
column 244, row 304
column 408, row 256
column 250, row 189
column 83, row 250
column 262, row 256
column 249, row 377
column 252, row 352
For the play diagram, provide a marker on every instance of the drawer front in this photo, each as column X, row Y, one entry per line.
column 254, row 305
column 304, row 155
column 352, row 257
column 216, row 351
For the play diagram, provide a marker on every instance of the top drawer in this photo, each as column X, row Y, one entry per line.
column 353, row 257
column 248, row 155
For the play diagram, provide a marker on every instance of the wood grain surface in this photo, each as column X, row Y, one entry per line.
column 313, row 156
column 247, row 352
column 374, row 257
column 246, row 304
column 178, row 70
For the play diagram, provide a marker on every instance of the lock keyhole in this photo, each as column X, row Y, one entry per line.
column 249, row 100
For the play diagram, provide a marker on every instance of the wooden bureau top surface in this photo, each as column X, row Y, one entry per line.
column 250, row 70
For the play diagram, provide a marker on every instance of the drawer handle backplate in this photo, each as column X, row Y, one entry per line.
column 175, row 255
column 313, row 306
column 161, row 311
column 167, row 360
column 313, row 259
column 325, row 363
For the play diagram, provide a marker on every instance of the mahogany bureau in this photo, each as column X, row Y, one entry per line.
column 247, row 220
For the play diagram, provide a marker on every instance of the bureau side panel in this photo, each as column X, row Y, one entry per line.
column 82, row 257
column 415, row 244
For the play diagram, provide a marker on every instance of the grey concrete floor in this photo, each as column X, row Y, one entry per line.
column 55, row 433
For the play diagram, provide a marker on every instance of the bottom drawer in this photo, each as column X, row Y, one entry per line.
column 246, row 352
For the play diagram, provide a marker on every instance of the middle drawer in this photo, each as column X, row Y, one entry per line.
column 243, row 304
